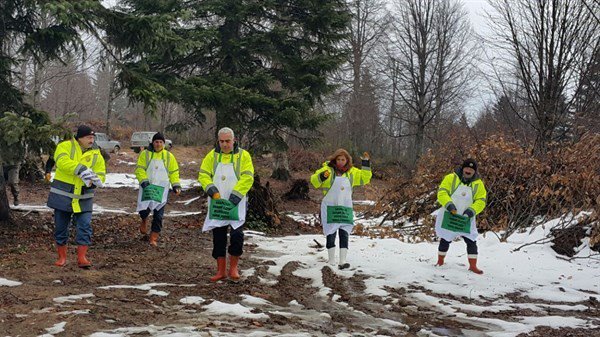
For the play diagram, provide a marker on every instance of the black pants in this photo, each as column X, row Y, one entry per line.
column 343, row 239
column 220, row 242
column 471, row 246
column 157, row 219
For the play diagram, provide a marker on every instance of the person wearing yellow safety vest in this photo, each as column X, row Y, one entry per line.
column 337, row 178
column 156, row 171
column 226, row 174
column 80, row 168
column 462, row 196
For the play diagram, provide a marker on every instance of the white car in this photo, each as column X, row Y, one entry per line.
column 106, row 144
column 140, row 140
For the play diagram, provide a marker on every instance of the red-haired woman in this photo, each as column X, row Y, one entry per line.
column 336, row 179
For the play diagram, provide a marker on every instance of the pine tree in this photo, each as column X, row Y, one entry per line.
column 260, row 65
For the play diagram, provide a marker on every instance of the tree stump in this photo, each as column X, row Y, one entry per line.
column 262, row 207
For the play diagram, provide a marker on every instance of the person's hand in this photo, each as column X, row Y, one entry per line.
column 48, row 177
column 213, row 192
column 234, row 199
column 451, row 208
column 86, row 174
column 177, row 190
column 144, row 184
column 324, row 175
column 469, row 213
column 366, row 159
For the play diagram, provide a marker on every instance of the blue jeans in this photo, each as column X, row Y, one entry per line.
column 471, row 246
column 157, row 219
column 83, row 223
column 236, row 243
column 343, row 239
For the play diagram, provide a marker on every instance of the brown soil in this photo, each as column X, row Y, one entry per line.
column 183, row 259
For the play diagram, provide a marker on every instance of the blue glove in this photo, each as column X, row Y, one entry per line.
column 469, row 213
column 234, row 199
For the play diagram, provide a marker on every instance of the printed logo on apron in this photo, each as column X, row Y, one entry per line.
column 336, row 207
column 448, row 226
column 155, row 195
column 221, row 211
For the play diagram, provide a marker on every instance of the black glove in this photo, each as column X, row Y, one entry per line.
column 177, row 189
column 234, row 199
column 469, row 213
column 323, row 175
column 144, row 184
column 211, row 191
column 451, row 208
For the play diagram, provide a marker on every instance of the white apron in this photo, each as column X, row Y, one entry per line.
column 336, row 207
column 155, row 195
column 225, row 180
column 462, row 199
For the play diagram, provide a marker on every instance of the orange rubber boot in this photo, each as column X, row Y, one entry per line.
column 144, row 226
column 153, row 239
column 473, row 266
column 62, row 256
column 221, row 270
column 233, row 267
column 82, row 261
column 441, row 257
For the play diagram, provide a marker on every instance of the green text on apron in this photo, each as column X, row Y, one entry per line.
column 225, row 180
column 336, row 207
column 450, row 227
column 155, row 195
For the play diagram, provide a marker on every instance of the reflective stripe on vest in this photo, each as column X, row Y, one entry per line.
column 71, row 195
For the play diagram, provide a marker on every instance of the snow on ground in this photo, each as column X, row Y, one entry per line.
column 146, row 286
column 219, row 308
column 192, row 300
column 72, row 298
column 118, row 180
column 97, row 209
column 533, row 271
column 8, row 283
column 55, row 329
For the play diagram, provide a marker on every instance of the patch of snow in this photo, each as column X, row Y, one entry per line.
column 128, row 180
column 364, row 202
column 220, row 308
column 130, row 163
column 74, row 312
column 147, row 286
column 247, row 299
column 534, row 271
column 8, row 283
column 56, row 328
column 153, row 292
column 192, row 300
column 173, row 214
column 72, row 298
column 187, row 202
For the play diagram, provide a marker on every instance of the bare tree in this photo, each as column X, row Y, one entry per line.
column 433, row 53
column 548, row 43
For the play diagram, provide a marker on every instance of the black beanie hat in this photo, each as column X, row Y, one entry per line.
column 84, row 130
column 158, row 136
column 470, row 162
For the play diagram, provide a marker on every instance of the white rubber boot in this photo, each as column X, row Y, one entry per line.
column 343, row 253
column 331, row 252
